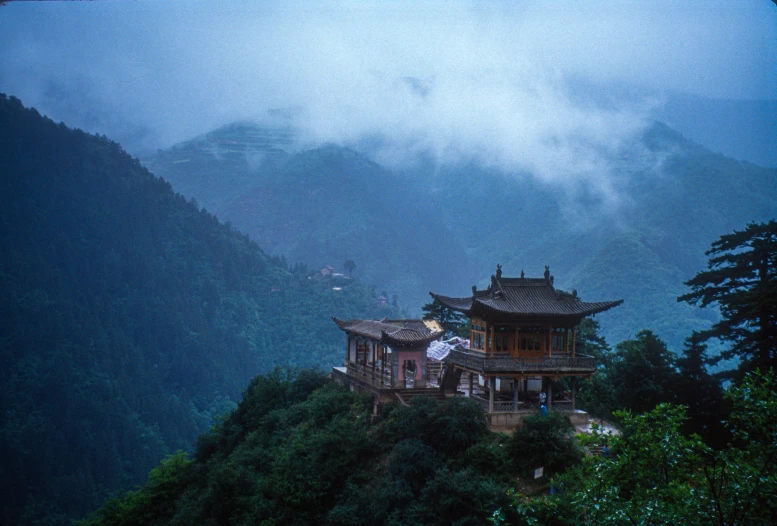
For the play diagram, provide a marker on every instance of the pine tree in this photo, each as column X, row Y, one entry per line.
column 452, row 321
column 741, row 281
column 701, row 393
column 643, row 373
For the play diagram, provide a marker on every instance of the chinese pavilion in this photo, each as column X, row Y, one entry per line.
column 386, row 357
column 522, row 329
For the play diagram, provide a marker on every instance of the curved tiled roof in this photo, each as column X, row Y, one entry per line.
column 392, row 332
column 534, row 297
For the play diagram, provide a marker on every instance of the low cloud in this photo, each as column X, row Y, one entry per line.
column 512, row 85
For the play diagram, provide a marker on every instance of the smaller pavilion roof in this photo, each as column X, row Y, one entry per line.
column 524, row 297
column 399, row 333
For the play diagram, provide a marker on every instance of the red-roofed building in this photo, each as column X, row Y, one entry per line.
column 386, row 357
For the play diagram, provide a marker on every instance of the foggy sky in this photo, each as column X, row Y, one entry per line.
column 515, row 84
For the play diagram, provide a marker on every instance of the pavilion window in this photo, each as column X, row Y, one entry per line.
column 478, row 338
column 502, row 337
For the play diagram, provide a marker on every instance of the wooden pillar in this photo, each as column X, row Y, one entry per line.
column 347, row 350
column 566, row 340
column 515, row 394
column 485, row 343
column 574, row 385
column 470, row 384
column 574, row 336
column 374, row 359
column 491, row 390
column 391, row 370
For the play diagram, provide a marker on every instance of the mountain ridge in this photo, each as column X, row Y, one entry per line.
column 130, row 318
column 464, row 218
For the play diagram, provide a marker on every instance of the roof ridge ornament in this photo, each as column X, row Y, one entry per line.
column 522, row 276
column 498, row 271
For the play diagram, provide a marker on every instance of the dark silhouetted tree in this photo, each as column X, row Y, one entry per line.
column 701, row 393
column 452, row 321
column 741, row 281
column 643, row 373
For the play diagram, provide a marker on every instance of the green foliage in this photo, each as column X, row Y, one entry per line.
column 544, row 441
column 637, row 376
column 450, row 426
column 741, row 281
column 701, row 394
column 643, row 372
column 647, row 479
column 655, row 474
column 291, row 455
column 597, row 394
column 147, row 505
column 742, row 481
column 411, row 463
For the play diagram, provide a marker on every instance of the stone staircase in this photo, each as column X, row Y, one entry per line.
column 406, row 395
column 450, row 378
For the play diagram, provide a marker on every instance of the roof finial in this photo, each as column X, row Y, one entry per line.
column 547, row 272
column 498, row 271
column 521, row 273
column 474, row 289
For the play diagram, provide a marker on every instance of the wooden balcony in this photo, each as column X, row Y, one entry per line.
column 478, row 361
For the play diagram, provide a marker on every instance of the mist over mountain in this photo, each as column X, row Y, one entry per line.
column 741, row 129
column 437, row 226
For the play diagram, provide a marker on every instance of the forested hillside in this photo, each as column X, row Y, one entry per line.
column 444, row 227
column 129, row 318
column 296, row 452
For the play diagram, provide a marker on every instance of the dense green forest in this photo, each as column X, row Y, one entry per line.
column 401, row 224
column 129, row 318
column 300, row 450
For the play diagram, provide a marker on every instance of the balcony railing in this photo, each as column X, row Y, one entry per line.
column 558, row 406
column 367, row 373
column 479, row 361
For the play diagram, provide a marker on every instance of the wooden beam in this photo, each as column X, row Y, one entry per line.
column 550, row 341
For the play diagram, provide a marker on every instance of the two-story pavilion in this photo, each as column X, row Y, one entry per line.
column 386, row 357
column 521, row 328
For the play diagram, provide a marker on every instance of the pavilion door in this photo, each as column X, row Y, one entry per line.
column 361, row 353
